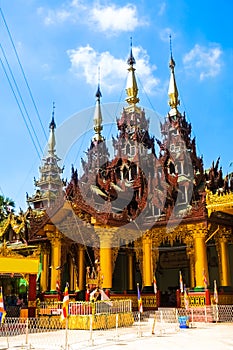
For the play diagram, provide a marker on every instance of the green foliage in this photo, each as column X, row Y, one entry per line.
column 6, row 206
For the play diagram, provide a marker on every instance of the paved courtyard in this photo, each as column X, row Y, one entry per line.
column 203, row 337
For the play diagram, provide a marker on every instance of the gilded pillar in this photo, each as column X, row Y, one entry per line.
column 201, row 265
column 224, row 260
column 45, row 270
column 147, row 260
column 190, row 251
column 106, row 266
column 72, row 283
column 130, row 270
column 192, row 270
column 81, row 268
column 55, row 239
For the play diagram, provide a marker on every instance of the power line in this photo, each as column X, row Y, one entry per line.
column 23, row 73
column 17, row 101
column 21, row 99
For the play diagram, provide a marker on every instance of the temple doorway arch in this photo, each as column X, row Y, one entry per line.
column 172, row 261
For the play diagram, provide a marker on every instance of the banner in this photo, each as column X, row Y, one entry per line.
column 140, row 308
column 155, row 285
column 65, row 305
column 181, row 283
column 2, row 309
column 215, row 292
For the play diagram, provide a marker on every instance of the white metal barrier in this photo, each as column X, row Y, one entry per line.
column 87, row 307
column 35, row 333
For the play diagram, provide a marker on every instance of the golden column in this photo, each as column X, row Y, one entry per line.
column 192, row 269
column 81, row 269
column 55, row 238
column 191, row 256
column 105, row 236
column 72, row 283
column 224, row 261
column 200, row 256
column 130, row 270
column 44, row 273
column 147, row 260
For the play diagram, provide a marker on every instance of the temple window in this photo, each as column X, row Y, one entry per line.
column 155, row 211
column 132, row 153
column 179, row 168
column 172, row 148
column 182, row 197
column 186, row 168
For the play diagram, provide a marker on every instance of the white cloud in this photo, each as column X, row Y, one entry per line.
column 67, row 12
column 116, row 19
column 51, row 17
column 110, row 18
column 113, row 71
column 204, row 60
column 162, row 8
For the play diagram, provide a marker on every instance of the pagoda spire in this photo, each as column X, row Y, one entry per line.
column 49, row 185
column 52, row 140
column 172, row 90
column 131, row 87
column 98, row 127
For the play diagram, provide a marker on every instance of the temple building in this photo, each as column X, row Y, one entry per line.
column 149, row 210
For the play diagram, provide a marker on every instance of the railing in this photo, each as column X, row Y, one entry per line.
column 86, row 307
column 37, row 333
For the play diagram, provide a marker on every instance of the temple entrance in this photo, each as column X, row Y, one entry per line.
column 172, row 260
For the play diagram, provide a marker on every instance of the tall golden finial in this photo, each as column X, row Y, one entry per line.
column 131, row 86
column 98, row 115
column 52, row 127
column 172, row 90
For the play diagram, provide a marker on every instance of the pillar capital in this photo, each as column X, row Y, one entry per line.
column 147, row 237
column 54, row 236
column 199, row 231
column 106, row 235
column 224, row 234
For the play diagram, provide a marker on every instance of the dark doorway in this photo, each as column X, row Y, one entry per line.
column 172, row 260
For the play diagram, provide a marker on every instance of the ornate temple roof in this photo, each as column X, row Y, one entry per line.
column 49, row 185
column 136, row 185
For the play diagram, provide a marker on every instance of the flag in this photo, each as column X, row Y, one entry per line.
column 40, row 269
column 93, row 294
column 181, row 283
column 2, row 309
column 140, row 308
column 65, row 304
column 105, row 297
column 186, row 299
column 205, row 280
column 57, row 286
column 215, row 292
column 155, row 285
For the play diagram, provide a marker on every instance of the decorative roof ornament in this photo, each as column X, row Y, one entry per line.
column 131, row 86
column 98, row 127
column 52, row 140
column 172, row 90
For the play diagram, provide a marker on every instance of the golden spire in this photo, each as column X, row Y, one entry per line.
column 98, row 117
column 52, row 141
column 131, row 86
column 172, row 90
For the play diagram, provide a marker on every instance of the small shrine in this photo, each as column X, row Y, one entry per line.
column 149, row 211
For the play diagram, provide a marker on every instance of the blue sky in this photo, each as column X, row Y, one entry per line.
column 61, row 44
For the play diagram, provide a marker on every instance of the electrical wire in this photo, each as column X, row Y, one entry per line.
column 17, row 101
column 21, row 99
column 22, row 71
